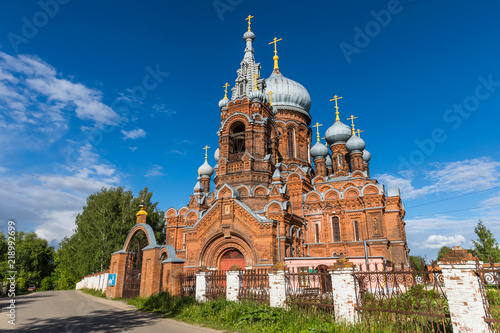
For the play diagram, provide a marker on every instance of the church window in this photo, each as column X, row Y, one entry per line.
column 237, row 135
column 291, row 143
column 184, row 241
column 356, row 230
column 316, row 233
column 339, row 160
column 303, row 276
column 336, row 229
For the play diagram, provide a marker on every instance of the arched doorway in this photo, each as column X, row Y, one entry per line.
column 230, row 258
column 133, row 265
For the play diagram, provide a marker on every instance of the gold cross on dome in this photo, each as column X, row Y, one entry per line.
column 270, row 100
column 275, row 40
column 255, row 77
column 359, row 131
column 317, row 129
column 336, row 98
column 351, row 118
column 277, row 159
column 248, row 19
column 206, row 152
column 225, row 90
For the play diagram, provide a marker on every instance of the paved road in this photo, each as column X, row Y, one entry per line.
column 74, row 311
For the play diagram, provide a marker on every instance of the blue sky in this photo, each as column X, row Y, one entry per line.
column 125, row 93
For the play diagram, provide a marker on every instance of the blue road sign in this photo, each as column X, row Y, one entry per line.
column 112, row 279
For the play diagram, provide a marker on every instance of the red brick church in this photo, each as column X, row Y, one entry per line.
column 279, row 194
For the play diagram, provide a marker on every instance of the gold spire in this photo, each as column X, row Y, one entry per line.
column 351, row 118
column 206, row 152
column 275, row 58
column 255, row 77
column 359, row 131
column 270, row 100
column 225, row 90
column 317, row 129
column 277, row 158
column 336, row 98
column 248, row 19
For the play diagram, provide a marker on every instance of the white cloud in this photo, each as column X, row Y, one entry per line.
column 438, row 241
column 50, row 201
column 163, row 109
column 461, row 176
column 155, row 170
column 176, row 151
column 134, row 134
column 133, row 148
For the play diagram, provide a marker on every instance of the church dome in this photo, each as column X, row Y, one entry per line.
column 287, row 93
column 338, row 133
column 205, row 170
column 216, row 155
column 256, row 95
column 366, row 156
column 355, row 144
column 249, row 35
column 319, row 150
column 329, row 162
column 223, row 102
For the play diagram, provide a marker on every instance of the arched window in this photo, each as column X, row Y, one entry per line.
column 291, row 143
column 356, row 230
column 316, row 233
column 336, row 229
column 339, row 160
column 237, row 138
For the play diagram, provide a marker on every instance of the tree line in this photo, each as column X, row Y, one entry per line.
column 100, row 229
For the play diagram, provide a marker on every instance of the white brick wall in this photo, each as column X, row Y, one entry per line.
column 96, row 282
column 464, row 297
column 277, row 291
column 344, row 295
column 232, row 285
column 201, row 286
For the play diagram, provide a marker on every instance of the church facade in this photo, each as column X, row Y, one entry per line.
column 279, row 195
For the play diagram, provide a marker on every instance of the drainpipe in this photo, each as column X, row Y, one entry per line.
column 366, row 253
column 279, row 252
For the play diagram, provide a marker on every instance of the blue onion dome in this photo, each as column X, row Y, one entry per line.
column 338, row 133
column 256, row 95
column 249, row 35
column 366, row 156
column 319, row 150
column 205, row 170
column 216, row 155
column 355, row 144
column 223, row 103
column 287, row 94
column 329, row 163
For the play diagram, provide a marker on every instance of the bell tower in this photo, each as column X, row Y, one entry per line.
column 248, row 136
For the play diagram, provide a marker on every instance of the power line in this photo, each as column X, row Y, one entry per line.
column 455, row 211
column 458, row 196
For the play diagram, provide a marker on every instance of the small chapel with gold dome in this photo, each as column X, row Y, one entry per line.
column 279, row 194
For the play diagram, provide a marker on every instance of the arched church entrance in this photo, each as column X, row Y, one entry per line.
column 230, row 258
column 133, row 265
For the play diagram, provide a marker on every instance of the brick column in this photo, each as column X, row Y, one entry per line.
column 232, row 285
column 344, row 291
column 463, row 292
column 118, row 261
column 201, row 286
column 277, row 289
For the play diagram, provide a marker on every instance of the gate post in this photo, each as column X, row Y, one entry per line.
column 277, row 287
column 344, row 291
column 201, row 286
column 463, row 292
column 232, row 283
